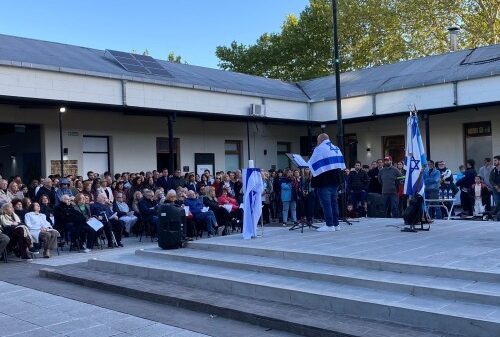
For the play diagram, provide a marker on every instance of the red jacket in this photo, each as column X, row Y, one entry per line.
column 223, row 200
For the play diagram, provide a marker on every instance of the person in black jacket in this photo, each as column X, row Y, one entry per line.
column 101, row 209
column 327, row 184
column 466, row 195
column 358, row 182
column 48, row 190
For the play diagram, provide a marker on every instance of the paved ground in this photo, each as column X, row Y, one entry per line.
column 461, row 244
column 28, row 312
column 156, row 319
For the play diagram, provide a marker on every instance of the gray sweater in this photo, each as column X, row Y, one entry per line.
column 387, row 177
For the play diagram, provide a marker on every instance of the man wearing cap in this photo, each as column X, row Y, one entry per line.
column 64, row 189
column 388, row 177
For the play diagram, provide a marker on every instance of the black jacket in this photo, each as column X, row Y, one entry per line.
column 495, row 177
column 358, row 181
column 328, row 178
column 374, row 186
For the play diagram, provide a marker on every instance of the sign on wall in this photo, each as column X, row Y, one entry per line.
column 70, row 167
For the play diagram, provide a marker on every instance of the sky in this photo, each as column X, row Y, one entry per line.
column 190, row 28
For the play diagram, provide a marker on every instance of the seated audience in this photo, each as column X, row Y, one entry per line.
column 101, row 209
column 41, row 230
column 124, row 213
column 20, row 238
column 147, row 209
column 80, row 216
column 196, row 207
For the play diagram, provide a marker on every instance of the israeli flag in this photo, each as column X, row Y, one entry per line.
column 415, row 158
column 252, row 201
column 326, row 157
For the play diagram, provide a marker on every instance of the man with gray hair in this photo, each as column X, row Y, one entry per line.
column 102, row 210
column 4, row 195
column 48, row 190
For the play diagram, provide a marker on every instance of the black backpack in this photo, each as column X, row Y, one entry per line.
column 414, row 215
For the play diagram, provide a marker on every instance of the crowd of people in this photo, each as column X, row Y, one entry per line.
column 42, row 214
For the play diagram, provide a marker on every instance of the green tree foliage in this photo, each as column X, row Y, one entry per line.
column 372, row 32
column 174, row 58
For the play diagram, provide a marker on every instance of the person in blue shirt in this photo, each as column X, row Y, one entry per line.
column 196, row 208
column 432, row 182
column 288, row 197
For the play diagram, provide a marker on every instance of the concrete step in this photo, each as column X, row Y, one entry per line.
column 272, row 315
column 457, row 317
column 414, row 284
column 377, row 264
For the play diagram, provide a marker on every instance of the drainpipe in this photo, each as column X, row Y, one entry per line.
column 124, row 92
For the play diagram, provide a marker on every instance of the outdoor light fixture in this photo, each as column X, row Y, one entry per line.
column 368, row 149
column 13, row 156
column 62, row 109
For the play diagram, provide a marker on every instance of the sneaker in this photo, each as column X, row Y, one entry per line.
column 85, row 250
column 120, row 244
column 26, row 259
column 326, row 228
column 284, row 224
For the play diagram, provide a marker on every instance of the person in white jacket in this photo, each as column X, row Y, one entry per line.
column 40, row 229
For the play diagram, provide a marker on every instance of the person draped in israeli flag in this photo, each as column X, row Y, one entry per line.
column 326, row 164
column 415, row 159
column 252, row 201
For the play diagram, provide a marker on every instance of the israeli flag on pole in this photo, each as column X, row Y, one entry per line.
column 252, row 201
column 326, row 157
column 415, row 158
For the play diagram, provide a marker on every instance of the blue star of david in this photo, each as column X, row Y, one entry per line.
column 332, row 147
column 414, row 163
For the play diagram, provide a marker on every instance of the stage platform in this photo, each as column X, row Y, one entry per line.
column 368, row 279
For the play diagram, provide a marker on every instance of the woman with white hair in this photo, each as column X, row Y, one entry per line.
column 20, row 237
column 124, row 213
column 41, row 230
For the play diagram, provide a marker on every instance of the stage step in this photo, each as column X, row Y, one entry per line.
column 381, row 302
column 376, row 264
column 272, row 315
column 409, row 283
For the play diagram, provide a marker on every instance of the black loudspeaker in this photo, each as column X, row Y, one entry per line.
column 171, row 226
column 376, row 207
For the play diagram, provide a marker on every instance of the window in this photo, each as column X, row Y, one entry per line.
column 394, row 146
column 233, row 155
column 478, row 141
column 282, row 160
column 95, row 154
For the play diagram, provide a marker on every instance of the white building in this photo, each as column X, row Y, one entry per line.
column 117, row 120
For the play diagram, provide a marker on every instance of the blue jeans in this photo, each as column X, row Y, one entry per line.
column 292, row 206
column 328, row 198
column 496, row 198
column 391, row 204
column 209, row 219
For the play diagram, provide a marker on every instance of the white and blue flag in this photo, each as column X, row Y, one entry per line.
column 252, row 201
column 415, row 158
column 326, row 157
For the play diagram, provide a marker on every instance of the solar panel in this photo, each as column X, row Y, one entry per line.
column 136, row 63
column 160, row 72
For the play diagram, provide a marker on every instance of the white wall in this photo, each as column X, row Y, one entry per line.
column 41, row 84
column 133, row 138
column 446, row 134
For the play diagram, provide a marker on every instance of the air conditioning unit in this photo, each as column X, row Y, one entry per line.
column 257, row 110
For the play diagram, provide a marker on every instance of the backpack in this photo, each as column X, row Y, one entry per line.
column 413, row 215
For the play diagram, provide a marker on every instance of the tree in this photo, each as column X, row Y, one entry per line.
column 174, row 58
column 372, row 32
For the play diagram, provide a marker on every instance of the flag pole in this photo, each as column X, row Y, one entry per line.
column 336, row 60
